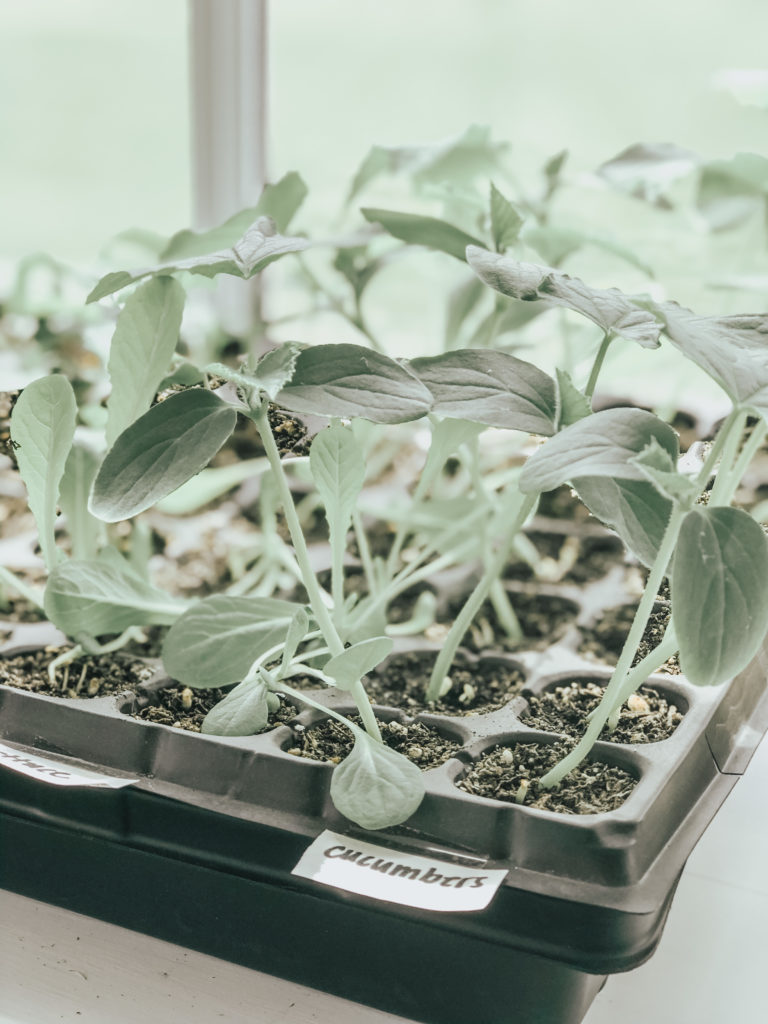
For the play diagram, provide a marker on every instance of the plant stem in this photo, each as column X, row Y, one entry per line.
column 365, row 552
column 319, row 610
column 32, row 594
column 589, row 390
column 741, row 463
column 475, row 600
column 638, row 674
column 616, row 685
column 720, row 495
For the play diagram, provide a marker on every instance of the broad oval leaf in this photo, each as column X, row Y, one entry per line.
column 142, row 346
column 338, row 469
column 602, row 444
column 216, row 641
column 719, row 593
column 243, row 712
column 488, row 387
column 427, row 231
column 101, row 597
column 609, row 308
column 43, row 426
column 349, row 381
column 733, row 350
column 657, row 466
column 351, row 665
column 633, row 508
column 159, row 452
column 375, row 786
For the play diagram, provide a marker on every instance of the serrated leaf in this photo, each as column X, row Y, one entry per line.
column 633, row 508
column 602, row 444
column 375, row 786
column 733, row 350
column 159, row 452
column 458, row 160
column 104, row 596
column 646, row 170
column 259, row 246
column 297, row 630
column 719, row 593
column 275, row 369
column 349, row 381
column 609, row 308
column 43, row 427
column 657, row 465
column 279, row 202
column 338, row 469
column 351, row 665
column 427, row 231
column 243, row 712
column 489, row 387
column 216, row 641
column 79, row 473
column 142, row 347
column 506, row 220
column 461, row 302
column 572, row 405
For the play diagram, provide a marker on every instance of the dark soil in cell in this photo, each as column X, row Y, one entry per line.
column 570, row 558
column 543, row 619
column 605, row 639
column 20, row 610
column 563, row 503
column 332, row 741
column 646, row 717
column 291, row 436
column 89, row 676
column 591, row 788
column 477, row 689
column 181, row 707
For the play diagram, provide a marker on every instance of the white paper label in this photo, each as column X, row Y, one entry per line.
column 387, row 874
column 54, row 772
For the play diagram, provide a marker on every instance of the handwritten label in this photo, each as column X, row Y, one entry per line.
column 396, row 877
column 54, row 772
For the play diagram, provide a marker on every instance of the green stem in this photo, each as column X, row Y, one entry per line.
column 31, row 594
column 730, row 451
column 475, row 600
column 319, row 609
column 589, row 390
column 365, row 552
column 505, row 613
column 740, row 465
column 616, row 685
column 636, row 676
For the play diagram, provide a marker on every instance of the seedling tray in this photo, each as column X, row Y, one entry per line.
column 200, row 850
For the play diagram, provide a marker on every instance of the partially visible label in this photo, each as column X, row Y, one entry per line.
column 396, row 877
column 54, row 772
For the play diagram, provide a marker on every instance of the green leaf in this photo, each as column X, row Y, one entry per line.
column 349, row 381
column 351, row 665
column 428, row 231
column 103, row 597
column 553, row 169
column 375, row 786
column 572, row 405
column 258, row 247
column 490, row 387
column 79, row 473
column 217, row 640
column 719, row 593
column 458, row 160
column 159, row 452
column 633, row 508
column 657, row 466
column 733, row 350
column 338, row 469
column 506, row 220
column 297, row 630
column 275, row 369
column 243, row 712
column 43, row 426
column 647, row 170
column 460, row 304
column 602, row 444
column 609, row 308
column 142, row 347
column 278, row 202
